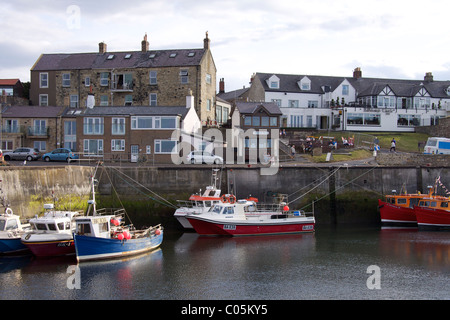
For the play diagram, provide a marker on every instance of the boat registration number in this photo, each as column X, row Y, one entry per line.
column 229, row 227
column 308, row 227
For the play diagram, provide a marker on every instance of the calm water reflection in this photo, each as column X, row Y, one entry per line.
column 330, row 264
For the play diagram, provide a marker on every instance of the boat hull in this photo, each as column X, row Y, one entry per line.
column 432, row 219
column 12, row 246
column 250, row 228
column 395, row 215
column 93, row 248
column 181, row 217
column 49, row 246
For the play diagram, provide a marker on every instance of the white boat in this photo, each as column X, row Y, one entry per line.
column 246, row 217
column 11, row 231
column 199, row 203
column 52, row 233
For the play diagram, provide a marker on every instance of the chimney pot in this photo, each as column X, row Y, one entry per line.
column 428, row 77
column 206, row 42
column 222, row 85
column 357, row 73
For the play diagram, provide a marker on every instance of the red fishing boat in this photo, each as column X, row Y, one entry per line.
column 433, row 214
column 247, row 217
column 398, row 209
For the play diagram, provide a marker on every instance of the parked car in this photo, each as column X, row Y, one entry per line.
column 203, row 157
column 60, row 154
column 22, row 154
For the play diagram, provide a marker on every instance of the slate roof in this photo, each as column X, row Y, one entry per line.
column 130, row 111
column 32, row 112
column 122, row 60
column 251, row 107
column 363, row 86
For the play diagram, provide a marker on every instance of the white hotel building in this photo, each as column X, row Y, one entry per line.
column 353, row 103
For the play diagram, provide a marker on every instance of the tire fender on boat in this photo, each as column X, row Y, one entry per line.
column 8, row 212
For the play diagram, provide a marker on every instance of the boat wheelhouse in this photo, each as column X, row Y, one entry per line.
column 11, row 231
column 433, row 214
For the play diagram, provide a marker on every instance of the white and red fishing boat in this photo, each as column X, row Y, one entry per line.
column 398, row 208
column 247, row 217
column 433, row 214
column 52, row 233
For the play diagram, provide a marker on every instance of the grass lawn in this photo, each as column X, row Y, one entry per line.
column 406, row 141
column 355, row 154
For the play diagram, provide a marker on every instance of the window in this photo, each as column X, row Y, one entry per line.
column 293, row 103
column 43, row 80
column 274, row 84
column 11, row 126
column 74, row 101
column 142, row 122
column 165, row 146
column 408, row 120
column 153, row 79
column 93, row 146
column 7, row 145
column 256, row 121
column 129, row 100
column 148, row 149
column 173, row 55
column 208, row 104
column 66, row 79
column 118, row 126
column 264, row 121
column 70, row 135
column 104, row 79
column 40, row 145
column 93, row 126
column 39, row 128
column 43, row 100
column 104, row 100
column 277, row 101
column 313, row 104
column 208, row 78
column 184, row 76
column 370, row 119
column 248, row 121
column 117, row 145
column 87, row 81
column 153, row 99
column 165, row 122
column 273, row 122
column 345, row 89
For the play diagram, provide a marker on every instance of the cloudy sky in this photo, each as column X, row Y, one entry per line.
column 386, row 38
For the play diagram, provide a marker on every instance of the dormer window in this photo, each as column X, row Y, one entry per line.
column 448, row 91
column 273, row 82
column 304, row 84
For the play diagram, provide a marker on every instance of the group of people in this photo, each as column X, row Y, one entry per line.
column 376, row 145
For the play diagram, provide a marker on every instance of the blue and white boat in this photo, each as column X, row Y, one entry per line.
column 11, row 231
column 104, row 237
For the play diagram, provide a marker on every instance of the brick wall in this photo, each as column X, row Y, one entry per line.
column 440, row 130
column 413, row 159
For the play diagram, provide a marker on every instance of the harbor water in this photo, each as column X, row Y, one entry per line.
column 334, row 263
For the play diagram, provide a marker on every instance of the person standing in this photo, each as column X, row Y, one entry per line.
column 393, row 142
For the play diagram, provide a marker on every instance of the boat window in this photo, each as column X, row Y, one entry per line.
column 41, row 226
column 11, row 224
column 443, row 205
column 401, row 201
column 2, row 225
column 425, row 203
column 433, row 204
column 103, row 227
column 51, row 226
column 67, row 225
column 207, row 203
column 413, row 202
column 61, row 225
column 83, row 228
column 228, row 210
column 216, row 209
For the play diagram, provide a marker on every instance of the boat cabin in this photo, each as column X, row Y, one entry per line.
column 94, row 226
column 435, row 203
column 10, row 222
column 53, row 221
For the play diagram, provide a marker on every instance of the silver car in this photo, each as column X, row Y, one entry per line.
column 203, row 157
column 22, row 154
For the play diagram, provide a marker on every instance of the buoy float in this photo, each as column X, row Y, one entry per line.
column 115, row 222
column 286, row 208
column 120, row 236
column 157, row 232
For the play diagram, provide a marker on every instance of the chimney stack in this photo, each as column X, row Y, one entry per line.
column 206, row 42
column 102, row 47
column 357, row 73
column 222, row 85
column 189, row 100
column 428, row 77
column 144, row 44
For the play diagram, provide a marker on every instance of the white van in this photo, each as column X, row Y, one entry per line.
column 437, row 145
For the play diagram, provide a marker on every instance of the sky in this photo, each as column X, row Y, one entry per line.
column 385, row 38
